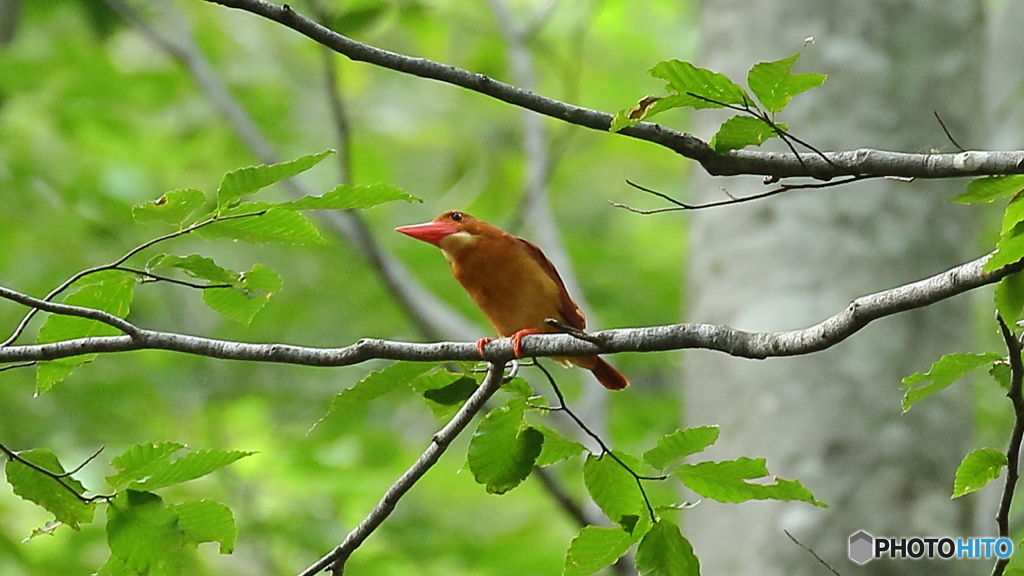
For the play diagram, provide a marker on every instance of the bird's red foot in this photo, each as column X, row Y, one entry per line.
column 517, row 340
column 480, row 345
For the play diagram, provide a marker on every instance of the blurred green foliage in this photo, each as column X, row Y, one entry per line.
column 94, row 118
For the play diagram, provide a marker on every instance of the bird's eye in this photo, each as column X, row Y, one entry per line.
column 456, row 216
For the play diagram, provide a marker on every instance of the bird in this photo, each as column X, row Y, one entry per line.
column 512, row 282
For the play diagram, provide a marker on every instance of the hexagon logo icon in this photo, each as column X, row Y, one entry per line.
column 861, row 547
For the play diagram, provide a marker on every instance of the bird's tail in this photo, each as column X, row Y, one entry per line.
column 605, row 373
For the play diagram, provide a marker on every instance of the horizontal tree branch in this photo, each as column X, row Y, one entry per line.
column 864, row 162
column 740, row 343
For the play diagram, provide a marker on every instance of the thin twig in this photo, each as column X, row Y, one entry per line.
column 812, row 553
column 159, row 278
column 116, row 263
column 56, row 477
column 605, row 450
column 18, row 365
column 733, row 199
column 335, row 560
column 1016, row 395
column 946, row 130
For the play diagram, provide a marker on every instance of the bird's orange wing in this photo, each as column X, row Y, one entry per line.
column 571, row 313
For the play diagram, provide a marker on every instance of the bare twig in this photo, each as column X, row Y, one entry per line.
column 733, row 199
column 335, row 560
column 825, row 334
column 782, row 165
column 1016, row 395
column 812, row 553
column 605, row 450
column 159, row 278
column 57, row 477
column 946, row 131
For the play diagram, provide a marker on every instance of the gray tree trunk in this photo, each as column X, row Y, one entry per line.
column 833, row 419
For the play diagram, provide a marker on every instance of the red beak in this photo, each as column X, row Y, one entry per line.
column 431, row 232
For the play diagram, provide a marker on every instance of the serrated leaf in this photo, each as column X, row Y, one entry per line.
column 991, row 188
column 174, row 207
column 189, row 467
column 1009, row 249
column 742, row 131
column 594, row 548
column 144, row 533
column 1013, row 215
column 632, row 116
column 110, row 291
column 195, row 266
column 942, row 374
column 264, row 223
column 557, row 447
column 46, row 491
column 1009, row 297
column 242, row 181
column 443, row 392
column 519, row 387
column 347, row 197
column 377, row 384
column 613, row 488
column 696, row 87
column 243, row 301
column 503, row 450
column 207, row 521
column 976, row 470
column 1001, row 373
column 774, row 84
column 665, row 552
column 727, row 482
column 141, row 461
column 680, row 444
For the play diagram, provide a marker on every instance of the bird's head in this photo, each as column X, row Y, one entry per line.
column 448, row 231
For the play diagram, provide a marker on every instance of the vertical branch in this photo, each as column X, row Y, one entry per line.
column 335, row 560
column 1016, row 395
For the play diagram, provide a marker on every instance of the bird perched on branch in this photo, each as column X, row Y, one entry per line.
column 512, row 282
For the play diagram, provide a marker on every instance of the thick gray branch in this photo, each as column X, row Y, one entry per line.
column 863, row 162
column 757, row 345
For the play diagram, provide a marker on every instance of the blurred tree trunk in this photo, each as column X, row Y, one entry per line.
column 833, row 419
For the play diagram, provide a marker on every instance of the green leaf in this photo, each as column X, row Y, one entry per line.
column 503, row 449
column 174, row 207
column 110, row 291
column 1013, row 215
column 774, row 84
column 613, row 488
column 647, row 106
column 195, row 266
column 46, row 491
column 1009, row 248
column 696, row 87
column 242, row 181
column 1009, row 296
column 557, row 448
column 258, row 222
column 377, row 384
column 942, row 374
column 594, row 548
column 991, row 188
column 680, row 444
column 141, row 461
column 742, row 131
column 144, row 534
column 444, row 392
column 149, row 466
column 727, row 482
column 977, row 469
column 453, row 394
column 665, row 552
column 252, row 291
column 346, row 197
column 1001, row 373
column 207, row 521
column 189, row 467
